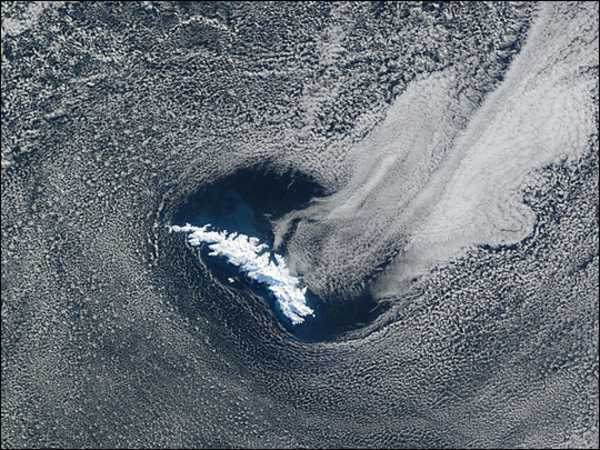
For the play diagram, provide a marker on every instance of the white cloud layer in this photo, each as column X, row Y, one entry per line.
column 254, row 259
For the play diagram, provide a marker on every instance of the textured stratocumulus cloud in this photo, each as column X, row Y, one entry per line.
column 254, row 259
column 421, row 122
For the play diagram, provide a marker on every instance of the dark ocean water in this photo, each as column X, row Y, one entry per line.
column 245, row 203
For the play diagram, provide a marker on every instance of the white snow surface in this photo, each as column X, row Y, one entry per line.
column 257, row 262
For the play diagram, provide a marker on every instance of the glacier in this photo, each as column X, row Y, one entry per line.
column 257, row 262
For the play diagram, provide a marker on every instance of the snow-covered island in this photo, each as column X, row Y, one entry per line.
column 257, row 262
